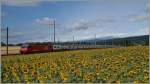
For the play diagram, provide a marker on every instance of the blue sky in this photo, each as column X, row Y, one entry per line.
column 31, row 20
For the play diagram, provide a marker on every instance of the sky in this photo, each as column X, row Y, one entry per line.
column 32, row 20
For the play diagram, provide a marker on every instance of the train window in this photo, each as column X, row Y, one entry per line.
column 58, row 46
column 55, row 46
column 24, row 45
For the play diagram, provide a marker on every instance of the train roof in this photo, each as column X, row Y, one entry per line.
column 30, row 44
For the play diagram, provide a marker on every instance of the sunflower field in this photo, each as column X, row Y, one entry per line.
column 110, row 65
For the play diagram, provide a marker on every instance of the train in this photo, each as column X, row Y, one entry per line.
column 32, row 48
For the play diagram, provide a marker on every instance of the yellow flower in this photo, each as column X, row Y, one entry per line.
column 123, row 59
column 97, row 73
column 63, row 77
column 131, row 73
column 34, row 73
column 135, row 82
column 26, row 78
column 14, row 70
column 40, row 78
column 146, row 77
column 146, row 71
column 45, row 76
column 25, row 71
column 118, row 81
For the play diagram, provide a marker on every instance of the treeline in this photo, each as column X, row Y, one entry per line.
column 4, row 44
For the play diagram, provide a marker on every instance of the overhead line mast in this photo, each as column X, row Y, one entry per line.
column 54, row 31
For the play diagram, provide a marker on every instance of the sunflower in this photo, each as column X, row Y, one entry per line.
column 146, row 77
column 123, row 59
column 131, row 73
column 117, row 82
column 26, row 78
column 25, row 71
column 63, row 77
column 146, row 71
column 135, row 82
column 45, row 76
column 14, row 70
column 39, row 77
column 34, row 73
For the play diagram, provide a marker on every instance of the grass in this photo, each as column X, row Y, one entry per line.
column 130, row 64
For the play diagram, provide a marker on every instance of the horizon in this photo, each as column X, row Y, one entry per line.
column 32, row 21
column 98, row 38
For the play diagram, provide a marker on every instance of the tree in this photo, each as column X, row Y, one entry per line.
column 3, row 44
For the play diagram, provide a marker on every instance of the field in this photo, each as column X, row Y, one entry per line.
column 130, row 64
column 11, row 50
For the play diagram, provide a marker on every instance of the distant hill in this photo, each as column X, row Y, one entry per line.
column 133, row 40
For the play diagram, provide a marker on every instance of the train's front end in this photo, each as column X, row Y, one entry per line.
column 24, row 49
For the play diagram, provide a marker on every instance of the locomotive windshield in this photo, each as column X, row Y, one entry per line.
column 24, row 45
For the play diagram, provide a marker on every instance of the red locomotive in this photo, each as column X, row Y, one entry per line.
column 30, row 48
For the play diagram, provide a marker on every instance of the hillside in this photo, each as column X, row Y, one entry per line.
column 134, row 40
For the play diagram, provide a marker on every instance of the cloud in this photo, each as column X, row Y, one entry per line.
column 116, row 34
column 3, row 14
column 44, row 21
column 141, row 15
column 147, row 7
column 144, row 30
column 140, row 31
column 12, row 35
column 83, row 24
column 136, row 18
column 24, row 2
column 37, row 2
